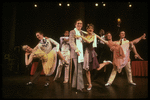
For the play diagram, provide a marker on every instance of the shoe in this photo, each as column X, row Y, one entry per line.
column 89, row 87
column 46, row 84
column 107, row 84
column 132, row 83
column 65, row 82
column 83, row 90
column 29, row 83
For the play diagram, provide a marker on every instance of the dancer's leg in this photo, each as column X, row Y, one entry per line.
column 61, row 57
column 37, row 72
column 138, row 39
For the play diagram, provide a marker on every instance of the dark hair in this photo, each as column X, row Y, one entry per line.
column 101, row 32
column 88, row 25
column 78, row 20
column 107, row 34
column 40, row 32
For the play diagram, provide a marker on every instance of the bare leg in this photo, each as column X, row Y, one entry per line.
column 138, row 39
column 88, row 75
column 136, row 54
column 102, row 65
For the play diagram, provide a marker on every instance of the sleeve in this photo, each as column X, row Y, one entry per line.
column 55, row 43
column 71, row 40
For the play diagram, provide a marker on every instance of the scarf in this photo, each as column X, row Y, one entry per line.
column 80, row 46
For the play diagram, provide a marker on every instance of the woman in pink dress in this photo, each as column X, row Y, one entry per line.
column 118, row 53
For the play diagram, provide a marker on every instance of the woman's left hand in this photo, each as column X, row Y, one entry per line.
column 77, row 36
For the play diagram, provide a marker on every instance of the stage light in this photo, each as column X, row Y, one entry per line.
column 35, row 5
column 130, row 5
column 96, row 4
column 68, row 4
column 60, row 4
column 104, row 4
column 118, row 20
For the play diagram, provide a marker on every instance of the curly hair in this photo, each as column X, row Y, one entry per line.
column 88, row 25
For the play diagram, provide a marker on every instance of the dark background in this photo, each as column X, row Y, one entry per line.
column 20, row 21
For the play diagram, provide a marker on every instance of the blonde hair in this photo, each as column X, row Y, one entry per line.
column 24, row 47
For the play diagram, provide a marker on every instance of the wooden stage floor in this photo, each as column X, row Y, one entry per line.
column 14, row 87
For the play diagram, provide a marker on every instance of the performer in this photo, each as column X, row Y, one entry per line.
column 48, row 60
column 117, row 50
column 125, row 44
column 90, row 56
column 65, row 50
column 45, row 45
column 100, row 45
column 77, row 56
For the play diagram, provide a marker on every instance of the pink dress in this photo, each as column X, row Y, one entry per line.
column 118, row 55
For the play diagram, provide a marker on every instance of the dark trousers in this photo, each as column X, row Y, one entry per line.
column 38, row 72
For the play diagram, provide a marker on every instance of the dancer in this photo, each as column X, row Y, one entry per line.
column 45, row 45
column 90, row 56
column 48, row 60
column 117, row 50
column 100, row 45
column 125, row 44
column 77, row 56
column 65, row 50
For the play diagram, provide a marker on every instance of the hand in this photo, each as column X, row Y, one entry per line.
column 78, row 53
column 125, row 39
column 27, row 53
column 77, row 36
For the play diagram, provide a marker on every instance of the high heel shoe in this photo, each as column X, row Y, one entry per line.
column 89, row 87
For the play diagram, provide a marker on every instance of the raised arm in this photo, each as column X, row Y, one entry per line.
column 28, row 61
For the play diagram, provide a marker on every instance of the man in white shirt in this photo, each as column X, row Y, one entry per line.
column 126, row 46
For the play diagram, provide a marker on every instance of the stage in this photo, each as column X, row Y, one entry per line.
column 15, row 87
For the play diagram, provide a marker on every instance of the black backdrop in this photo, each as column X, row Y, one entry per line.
column 53, row 20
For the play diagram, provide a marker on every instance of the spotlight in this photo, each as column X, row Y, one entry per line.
column 68, row 4
column 96, row 4
column 104, row 4
column 60, row 4
column 130, row 5
column 35, row 5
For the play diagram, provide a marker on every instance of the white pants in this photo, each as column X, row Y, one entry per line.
column 59, row 68
column 128, row 72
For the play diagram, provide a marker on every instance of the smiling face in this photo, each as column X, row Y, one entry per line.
column 39, row 36
column 90, row 30
column 122, row 34
column 27, row 48
column 79, row 25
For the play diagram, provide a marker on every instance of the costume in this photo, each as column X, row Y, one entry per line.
column 65, row 50
column 90, row 57
column 118, row 55
column 76, row 44
column 47, row 58
column 125, row 63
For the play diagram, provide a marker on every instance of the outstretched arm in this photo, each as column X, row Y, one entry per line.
column 85, row 39
column 101, row 39
column 138, row 39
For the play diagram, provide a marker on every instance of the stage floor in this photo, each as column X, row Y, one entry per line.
column 14, row 87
